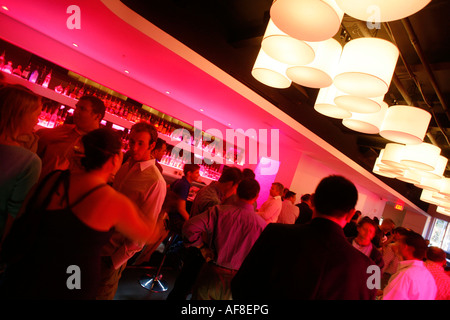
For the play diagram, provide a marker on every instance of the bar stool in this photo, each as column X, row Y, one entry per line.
column 154, row 282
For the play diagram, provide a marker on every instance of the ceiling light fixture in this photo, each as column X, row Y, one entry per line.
column 381, row 10
column 326, row 106
column 366, row 67
column 308, row 20
column 320, row 72
column 270, row 71
column 405, row 124
column 369, row 123
column 285, row 48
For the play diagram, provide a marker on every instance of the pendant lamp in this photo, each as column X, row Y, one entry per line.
column 430, row 184
column 325, row 104
column 405, row 124
column 438, row 171
column 366, row 67
column 270, row 71
column 422, row 156
column 308, row 20
column 284, row 48
column 409, row 176
column 358, row 104
column 443, row 210
column 369, row 123
column 320, row 72
column 381, row 10
column 393, row 154
column 382, row 170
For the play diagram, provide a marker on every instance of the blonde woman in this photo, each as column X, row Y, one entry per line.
column 19, row 167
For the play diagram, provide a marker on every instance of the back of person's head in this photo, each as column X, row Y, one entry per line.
column 146, row 127
column 356, row 216
column 231, row 174
column 400, row 231
column 190, row 167
column 159, row 144
column 289, row 194
column 248, row 173
column 335, row 196
column 305, row 198
column 417, row 242
column 99, row 146
column 15, row 102
column 248, row 189
column 98, row 107
column 436, row 254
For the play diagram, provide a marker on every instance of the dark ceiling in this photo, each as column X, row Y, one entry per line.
column 229, row 32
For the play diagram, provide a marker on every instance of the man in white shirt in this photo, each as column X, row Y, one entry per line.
column 289, row 211
column 270, row 210
column 143, row 183
column 412, row 281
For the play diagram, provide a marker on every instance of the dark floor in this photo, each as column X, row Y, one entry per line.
column 130, row 287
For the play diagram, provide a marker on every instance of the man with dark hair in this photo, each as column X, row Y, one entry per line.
column 159, row 151
column 412, row 281
column 312, row 261
column 289, row 211
column 213, row 194
column 216, row 192
column 141, row 181
column 305, row 212
column 435, row 263
column 60, row 147
column 235, row 228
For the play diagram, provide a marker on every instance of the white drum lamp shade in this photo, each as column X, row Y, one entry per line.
column 422, row 156
column 358, row 104
column 427, row 196
column 381, row 10
column 442, row 210
column 405, row 124
column 393, row 155
column 369, row 123
column 382, row 170
column 410, row 176
column 320, row 72
column 366, row 67
column 285, row 48
column 326, row 106
column 438, row 171
column 430, row 184
column 270, row 71
column 308, row 20
column 445, row 188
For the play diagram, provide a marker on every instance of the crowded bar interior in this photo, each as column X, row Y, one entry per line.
column 250, row 84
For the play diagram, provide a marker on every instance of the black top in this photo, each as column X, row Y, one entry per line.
column 312, row 261
column 65, row 254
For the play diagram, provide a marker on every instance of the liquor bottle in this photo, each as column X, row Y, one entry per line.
column 34, row 76
column 26, row 72
column 47, row 79
column 8, row 68
column 66, row 90
column 41, row 77
column 80, row 92
column 2, row 60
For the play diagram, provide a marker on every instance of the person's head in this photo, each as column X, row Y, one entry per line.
column 398, row 232
column 412, row 246
column 248, row 173
column 248, row 190
column 160, row 149
column 290, row 196
column 356, row 215
column 387, row 225
column 335, row 197
column 191, row 171
column 100, row 146
column 229, row 180
column 276, row 189
column 366, row 230
column 436, row 255
column 89, row 111
column 306, row 198
column 142, row 141
column 19, row 111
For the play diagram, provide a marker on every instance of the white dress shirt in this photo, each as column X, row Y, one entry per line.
column 289, row 212
column 270, row 210
column 412, row 281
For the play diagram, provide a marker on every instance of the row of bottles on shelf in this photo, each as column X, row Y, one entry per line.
column 42, row 75
column 53, row 115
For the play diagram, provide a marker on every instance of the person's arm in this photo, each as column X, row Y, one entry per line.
column 268, row 210
column 181, row 206
column 196, row 228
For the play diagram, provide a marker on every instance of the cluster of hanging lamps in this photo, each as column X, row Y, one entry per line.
column 298, row 46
